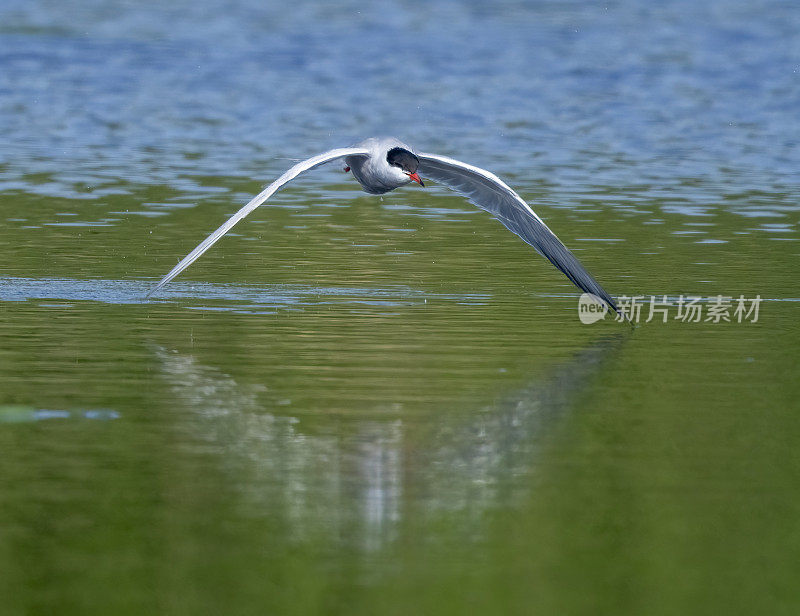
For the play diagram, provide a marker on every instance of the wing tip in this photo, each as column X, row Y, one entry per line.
column 161, row 284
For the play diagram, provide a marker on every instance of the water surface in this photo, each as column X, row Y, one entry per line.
column 356, row 404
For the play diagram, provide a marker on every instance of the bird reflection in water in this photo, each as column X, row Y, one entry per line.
column 358, row 478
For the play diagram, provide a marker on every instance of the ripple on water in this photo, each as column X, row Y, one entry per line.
column 236, row 298
column 12, row 413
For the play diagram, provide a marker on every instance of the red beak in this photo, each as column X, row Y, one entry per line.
column 415, row 177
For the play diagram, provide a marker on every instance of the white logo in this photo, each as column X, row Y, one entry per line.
column 591, row 309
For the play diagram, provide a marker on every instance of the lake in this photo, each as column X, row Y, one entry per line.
column 389, row 405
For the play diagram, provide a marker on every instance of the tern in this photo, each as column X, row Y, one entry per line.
column 381, row 164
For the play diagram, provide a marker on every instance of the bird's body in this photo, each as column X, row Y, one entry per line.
column 373, row 171
column 382, row 164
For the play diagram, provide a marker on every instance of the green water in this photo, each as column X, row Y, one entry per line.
column 355, row 405
column 384, row 412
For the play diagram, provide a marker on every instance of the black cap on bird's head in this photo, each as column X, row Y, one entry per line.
column 405, row 160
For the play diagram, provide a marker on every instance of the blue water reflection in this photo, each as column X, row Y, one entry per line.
column 98, row 96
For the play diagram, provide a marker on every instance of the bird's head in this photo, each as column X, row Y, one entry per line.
column 406, row 162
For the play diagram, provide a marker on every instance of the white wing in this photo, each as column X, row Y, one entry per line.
column 260, row 198
column 490, row 193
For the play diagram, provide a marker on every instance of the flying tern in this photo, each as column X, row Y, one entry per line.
column 381, row 164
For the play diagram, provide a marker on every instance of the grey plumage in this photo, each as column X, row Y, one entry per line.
column 490, row 193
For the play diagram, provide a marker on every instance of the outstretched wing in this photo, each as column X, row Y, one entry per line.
column 306, row 165
column 490, row 193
